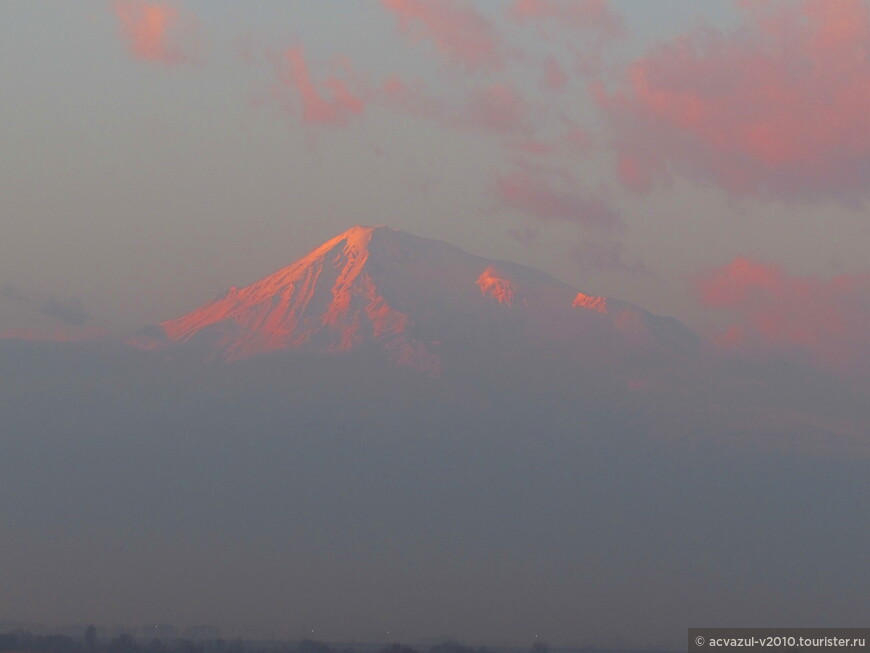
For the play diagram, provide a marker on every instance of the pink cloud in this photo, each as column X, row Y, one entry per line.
column 496, row 108
column 331, row 102
column 825, row 318
column 776, row 108
column 534, row 147
column 534, row 195
column 572, row 141
column 555, row 79
column 637, row 173
column 459, row 32
column 148, row 28
column 590, row 15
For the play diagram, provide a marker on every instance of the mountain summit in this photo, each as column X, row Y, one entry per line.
column 411, row 296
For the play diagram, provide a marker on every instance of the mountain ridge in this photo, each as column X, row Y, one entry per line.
column 410, row 295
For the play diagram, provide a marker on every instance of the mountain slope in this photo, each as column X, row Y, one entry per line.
column 413, row 296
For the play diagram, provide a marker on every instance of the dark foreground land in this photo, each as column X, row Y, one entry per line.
column 25, row 642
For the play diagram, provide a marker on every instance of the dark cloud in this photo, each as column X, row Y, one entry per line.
column 67, row 311
column 605, row 256
column 9, row 291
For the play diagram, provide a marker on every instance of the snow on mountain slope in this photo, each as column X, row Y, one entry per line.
column 410, row 295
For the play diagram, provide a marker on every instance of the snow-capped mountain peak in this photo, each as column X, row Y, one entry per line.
column 406, row 294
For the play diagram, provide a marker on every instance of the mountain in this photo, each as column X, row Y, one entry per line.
column 415, row 298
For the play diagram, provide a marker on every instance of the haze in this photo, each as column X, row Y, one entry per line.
column 706, row 161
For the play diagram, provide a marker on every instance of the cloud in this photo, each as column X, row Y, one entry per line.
column 68, row 312
column 148, row 29
column 534, row 147
column 526, row 235
column 775, row 108
column 555, row 79
column 331, row 102
column 589, row 15
column 495, row 108
column 605, row 256
column 826, row 319
column 10, row 291
column 531, row 193
column 574, row 139
column 460, row 33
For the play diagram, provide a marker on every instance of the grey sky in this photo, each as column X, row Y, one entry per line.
column 141, row 189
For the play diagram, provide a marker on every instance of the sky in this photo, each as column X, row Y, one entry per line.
column 707, row 161
column 161, row 152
